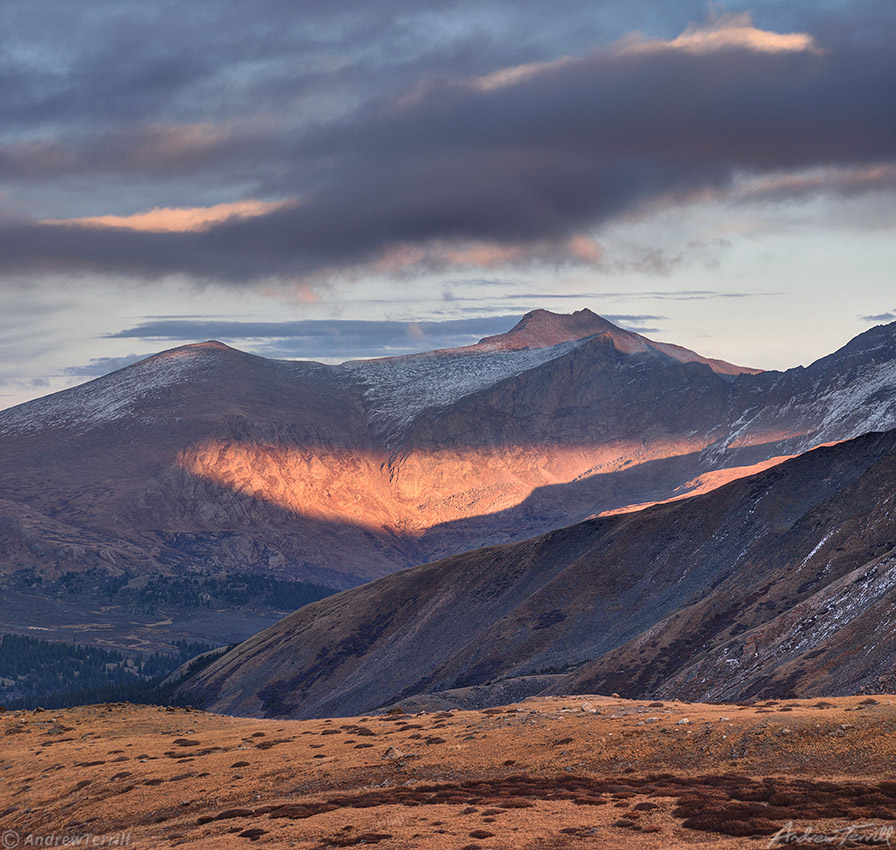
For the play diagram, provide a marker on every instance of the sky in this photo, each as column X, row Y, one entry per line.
column 333, row 180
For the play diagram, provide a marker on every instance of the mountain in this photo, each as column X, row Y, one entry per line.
column 781, row 584
column 204, row 463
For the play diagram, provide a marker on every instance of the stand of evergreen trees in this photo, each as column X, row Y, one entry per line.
column 52, row 674
column 190, row 590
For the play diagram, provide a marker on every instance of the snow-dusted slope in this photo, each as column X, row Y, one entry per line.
column 842, row 396
column 112, row 396
column 854, row 404
column 397, row 390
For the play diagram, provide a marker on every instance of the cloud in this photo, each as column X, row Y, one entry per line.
column 476, row 284
column 102, row 365
column 511, row 76
column 326, row 338
column 522, row 169
column 98, row 65
column 653, row 294
column 168, row 219
column 880, row 317
column 407, row 259
column 842, row 182
column 630, row 318
column 147, row 149
column 727, row 32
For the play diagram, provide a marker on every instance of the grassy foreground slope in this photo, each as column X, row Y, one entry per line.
column 565, row 772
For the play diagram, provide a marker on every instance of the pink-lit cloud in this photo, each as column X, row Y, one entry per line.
column 510, row 76
column 726, row 32
column 443, row 255
column 178, row 220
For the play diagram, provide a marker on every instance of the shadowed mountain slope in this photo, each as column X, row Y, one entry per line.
column 777, row 584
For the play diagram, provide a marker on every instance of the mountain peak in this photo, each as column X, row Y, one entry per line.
column 191, row 352
column 196, row 347
column 542, row 328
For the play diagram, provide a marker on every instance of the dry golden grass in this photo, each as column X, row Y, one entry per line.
column 561, row 772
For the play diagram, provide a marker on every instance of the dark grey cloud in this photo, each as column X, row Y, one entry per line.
column 880, row 317
column 104, row 62
column 111, row 61
column 330, row 338
column 401, row 180
column 324, row 338
column 149, row 150
column 102, row 365
column 642, row 329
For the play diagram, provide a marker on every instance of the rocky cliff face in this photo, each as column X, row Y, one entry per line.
column 779, row 584
column 206, row 458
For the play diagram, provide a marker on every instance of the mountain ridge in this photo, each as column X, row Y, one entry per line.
column 204, row 458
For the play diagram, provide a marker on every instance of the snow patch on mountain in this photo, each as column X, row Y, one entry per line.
column 397, row 390
column 821, row 616
column 840, row 406
column 855, row 404
column 108, row 398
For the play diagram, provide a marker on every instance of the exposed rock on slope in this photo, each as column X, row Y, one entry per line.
column 777, row 584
